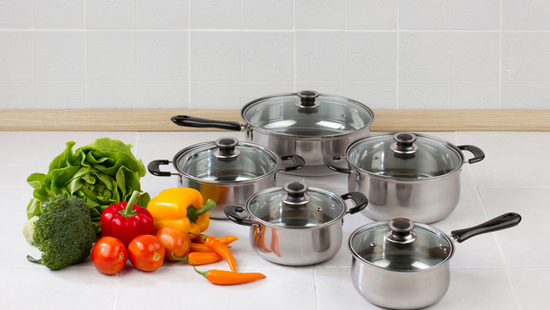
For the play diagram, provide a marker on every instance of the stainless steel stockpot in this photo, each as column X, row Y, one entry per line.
column 306, row 123
column 405, row 265
column 226, row 170
column 296, row 225
column 406, row 175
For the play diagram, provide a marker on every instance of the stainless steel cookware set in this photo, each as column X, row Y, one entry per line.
column 402, row 180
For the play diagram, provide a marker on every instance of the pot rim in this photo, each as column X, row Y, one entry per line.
column 386, row 177
column 295, row 136
column 356, row 256
column 259, row 221
column 200, row 180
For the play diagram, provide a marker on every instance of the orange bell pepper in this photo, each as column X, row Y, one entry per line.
column 182, row 209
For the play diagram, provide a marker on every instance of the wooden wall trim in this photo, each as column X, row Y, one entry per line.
column 159, row 120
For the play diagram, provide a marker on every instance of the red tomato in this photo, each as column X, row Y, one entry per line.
column 146, row 252
column 174, row 241
column 109, row 255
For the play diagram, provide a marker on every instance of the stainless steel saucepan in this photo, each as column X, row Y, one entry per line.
column 226, row 170
column 296, row 225
column 405, row 174
column 305, row 123
column 405, row 265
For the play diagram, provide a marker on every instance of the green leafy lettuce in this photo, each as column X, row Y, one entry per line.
column 102, row 173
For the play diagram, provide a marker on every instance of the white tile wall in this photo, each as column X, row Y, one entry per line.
column 213, row 54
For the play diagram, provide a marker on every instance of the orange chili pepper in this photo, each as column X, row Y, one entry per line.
column 224, row 240
column 199, row 258
column 221, row 249
column 275, row 242
column 259, row 239
column 201, row 247
column 224, row 277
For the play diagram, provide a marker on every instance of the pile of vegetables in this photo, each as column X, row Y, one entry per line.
column 102, row 173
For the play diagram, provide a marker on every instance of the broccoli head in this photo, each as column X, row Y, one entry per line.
column 64, row 232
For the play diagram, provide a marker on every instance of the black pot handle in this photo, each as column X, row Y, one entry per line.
column 197, row 122
column 504, row 221
column 478, row 153
column 154, row 169
column 232, row 213
column 360, row 200
column 329, row 162
column 298, row 162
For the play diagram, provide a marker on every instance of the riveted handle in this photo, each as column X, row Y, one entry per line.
column 197, row 122
column 298, row 162
column 359, row 199
column 154, row 168
column 504, row 221
column 479, row 155
column 232, row 213
column 329, row 161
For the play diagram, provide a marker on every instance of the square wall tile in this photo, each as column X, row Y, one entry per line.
column 474, row 95
column 105, row 94
column 108, row 14
column 267, row 14
column 61, row 95
column 475, row 14
column 16, row 55
column 59, row 55
column 371, row 56
column 215, row 95
column 168, row 14
column 418, row 14
column 254, row 90
column 320, row 56
column 424, row 56
column 267, row 57
column 16, row 14
column 163, row 55
column 423, row 95
column 320, row 14
column 55, row 14
column 215, row 56
column 16, row 95
column 375, row 95
column 525, row 56
column 475, row 56
column 111, row 55
column 522, row 14
column 381, row 14
column 525, row 95
column 163, row 95
column 215, row 14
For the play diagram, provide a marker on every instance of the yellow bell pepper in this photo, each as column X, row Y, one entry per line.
column 181, row 208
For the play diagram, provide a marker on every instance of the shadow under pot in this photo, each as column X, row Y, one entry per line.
column 296, row 225
column 406, row 175
column 405, row 265
column 226, row 170
column 305, row 123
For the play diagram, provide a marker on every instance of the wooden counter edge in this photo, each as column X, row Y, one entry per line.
column 159, row 120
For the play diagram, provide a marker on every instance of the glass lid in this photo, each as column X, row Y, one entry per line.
column 296, row 206
column 308, row 113
column 226, row 160
column 400, row 245
column 404, row 155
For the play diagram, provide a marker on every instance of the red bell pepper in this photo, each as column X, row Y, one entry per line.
column 126, row 220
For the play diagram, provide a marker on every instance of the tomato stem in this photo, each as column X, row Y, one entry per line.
column 185, row 258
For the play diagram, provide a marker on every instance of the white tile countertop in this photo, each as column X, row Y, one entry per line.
column 508, row 269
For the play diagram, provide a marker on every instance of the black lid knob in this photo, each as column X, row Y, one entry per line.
column 404, row 143
column 401, row 231
column 226, row 147
column 295, row 193
column 307, row 98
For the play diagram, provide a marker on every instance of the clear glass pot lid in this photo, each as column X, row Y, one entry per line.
column 404, row 155
column 226, row 160
column 295, row 205
column 308, row 114
column 400, row 245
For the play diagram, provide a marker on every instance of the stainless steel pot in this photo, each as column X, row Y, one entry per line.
column 406, row 175
column 226, row 170
column 296, row 225
column 306, row 123
column 404, row 265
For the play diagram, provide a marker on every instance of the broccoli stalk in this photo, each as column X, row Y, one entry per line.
column 64, row 232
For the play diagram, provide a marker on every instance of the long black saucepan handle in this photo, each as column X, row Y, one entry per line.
column 197, row 122
column 501, row 222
